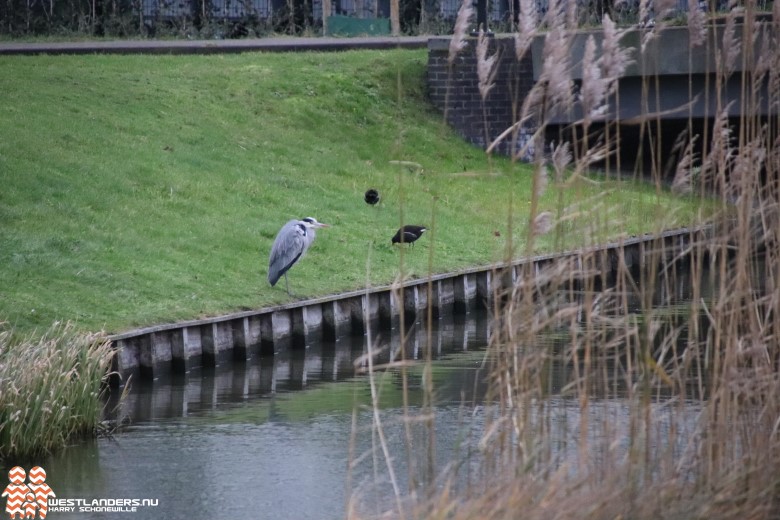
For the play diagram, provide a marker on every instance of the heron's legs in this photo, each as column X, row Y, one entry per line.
column 287, row 284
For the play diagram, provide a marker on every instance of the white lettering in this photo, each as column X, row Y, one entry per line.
column 108, row 509
column 97, row 505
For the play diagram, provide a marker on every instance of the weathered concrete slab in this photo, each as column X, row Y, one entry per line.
column 216, row 342
column 336, row 317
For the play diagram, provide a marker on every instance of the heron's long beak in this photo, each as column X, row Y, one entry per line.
column 320, row 225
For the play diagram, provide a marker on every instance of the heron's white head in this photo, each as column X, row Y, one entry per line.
column 311, row 222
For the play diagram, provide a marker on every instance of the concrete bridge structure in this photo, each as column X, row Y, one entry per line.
column 670, row 70
column 669, row 81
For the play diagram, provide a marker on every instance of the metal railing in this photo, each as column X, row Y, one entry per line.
column 198, row 18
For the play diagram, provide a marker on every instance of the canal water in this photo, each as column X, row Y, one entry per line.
column 292, row 436
column 272, row 438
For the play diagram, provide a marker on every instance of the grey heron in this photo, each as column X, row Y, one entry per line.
column 408, row 234
column 290, row 245
column 371, row 196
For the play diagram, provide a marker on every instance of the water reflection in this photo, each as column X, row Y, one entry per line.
column 272, row 438
column 204, row 390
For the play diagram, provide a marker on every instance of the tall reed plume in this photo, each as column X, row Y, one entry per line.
column 644, row 389
column 458, row 41
column 526, row 27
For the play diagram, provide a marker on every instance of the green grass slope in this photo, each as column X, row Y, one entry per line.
column 143, row 189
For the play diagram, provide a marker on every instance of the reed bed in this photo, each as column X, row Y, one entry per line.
column 50, row 389
column 609, row 396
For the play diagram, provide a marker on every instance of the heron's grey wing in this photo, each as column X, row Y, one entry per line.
column 287, row 249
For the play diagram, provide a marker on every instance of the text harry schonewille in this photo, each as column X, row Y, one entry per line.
column 100, row 505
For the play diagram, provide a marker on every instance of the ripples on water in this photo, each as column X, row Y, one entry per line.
column 272, row 438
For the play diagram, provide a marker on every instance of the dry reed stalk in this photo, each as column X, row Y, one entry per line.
column 457, row 44
column 556, row 71
column 428, row 412
column 645, row 10
column 571, row 15
column 553, row 91
column 379, row 430
column 748, row 159
column 561, row 158
column 486, row 73
column 593, row 92
column 542, row 180
column 553, row 15
column 664, row 8
column 462, row 22
column 731, row 44
column 683, row 177
column 554, row 86
column 405, row 329
column 717, row 161
column 614, row 57
column 697, row 18
column 526, row 27
column 610, row 394
column 486, row 65
column 774, row 60
column 763, row 62
column 543, row 223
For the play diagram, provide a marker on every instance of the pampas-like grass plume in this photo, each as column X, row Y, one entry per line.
column 697, row 32
column 731, row 43
column 458, row 41
column 541, row 180
column 556, row 71
column 555, row 16
column 773, row 57
column 553, row 90
column 644, row 11
column 683, row 176
column 556, row 74
column 721, row 152
column 594, row 87
column 561, row 158
column 486, row 65
column 614, row 58
column 646, row 20
column 543, row 223
column 765, row 55
column 749, row 158
column 526, row 27
column 572, row 12
column 664, row 8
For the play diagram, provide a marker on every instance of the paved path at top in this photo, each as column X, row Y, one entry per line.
column 279, row 44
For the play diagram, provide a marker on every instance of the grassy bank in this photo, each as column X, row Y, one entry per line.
column 50, row 386
column 146, row 189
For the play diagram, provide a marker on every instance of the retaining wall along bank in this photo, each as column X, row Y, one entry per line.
column 178, row 347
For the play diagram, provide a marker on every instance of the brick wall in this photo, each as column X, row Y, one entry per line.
column 464, row 107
